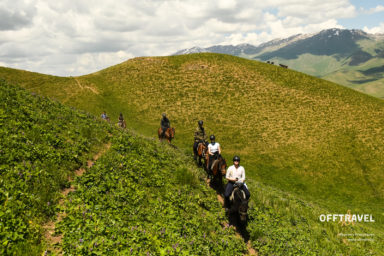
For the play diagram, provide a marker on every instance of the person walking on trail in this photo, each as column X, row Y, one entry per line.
column 104, row 115
column 235, row 173
column 165, row 124
column 214, row 151
column 199, row 137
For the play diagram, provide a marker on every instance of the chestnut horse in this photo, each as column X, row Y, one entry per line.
column 218, row 168
column 169, row 134
column 201, row 152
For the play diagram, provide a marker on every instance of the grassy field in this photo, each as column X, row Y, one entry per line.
column 317, row 140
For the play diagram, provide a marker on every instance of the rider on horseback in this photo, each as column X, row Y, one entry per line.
column 199, row 137
column 165, row 124
column 214, row 151
column 121, row 119
column 235, row 173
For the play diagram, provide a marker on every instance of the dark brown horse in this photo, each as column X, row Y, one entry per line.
column 218, row 169
column 169, row 134
column 122, row 124
column 239, row 203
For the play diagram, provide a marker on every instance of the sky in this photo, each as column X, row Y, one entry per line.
column 78, row 37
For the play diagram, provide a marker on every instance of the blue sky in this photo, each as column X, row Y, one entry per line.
column 71, row 37
column 364, row 19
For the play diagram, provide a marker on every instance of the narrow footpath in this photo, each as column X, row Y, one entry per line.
column 240, row 232
column 54, row 240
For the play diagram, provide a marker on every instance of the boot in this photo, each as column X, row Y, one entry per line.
column 226, row 204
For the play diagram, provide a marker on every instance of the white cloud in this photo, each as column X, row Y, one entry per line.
column 68, row 37
column 379, row 8
column 375, row 30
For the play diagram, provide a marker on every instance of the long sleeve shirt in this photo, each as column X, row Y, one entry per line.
column 233, row 173
column 200, row 134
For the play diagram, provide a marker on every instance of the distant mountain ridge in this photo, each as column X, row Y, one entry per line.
column 351, row 58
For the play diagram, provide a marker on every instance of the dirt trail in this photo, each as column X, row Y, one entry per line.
column 239, row 232
column 54, row 240
column 94, row 90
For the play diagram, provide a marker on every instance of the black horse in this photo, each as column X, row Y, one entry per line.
column 239, row 203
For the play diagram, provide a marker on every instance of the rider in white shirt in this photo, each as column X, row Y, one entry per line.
column 214, row 151
column 235, row 173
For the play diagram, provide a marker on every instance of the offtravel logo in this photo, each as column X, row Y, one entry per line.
column 346, row 219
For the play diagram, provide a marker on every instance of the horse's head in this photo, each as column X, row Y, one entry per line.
column 201, row 149
column 172, row 132
column 243, row 208
column 241, row 204
column 222, row 165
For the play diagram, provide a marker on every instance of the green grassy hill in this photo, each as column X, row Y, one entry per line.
column 140, row 197
column 41, row 144
column 361, row 68
column 317, row 141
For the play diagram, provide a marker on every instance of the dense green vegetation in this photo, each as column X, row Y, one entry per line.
column 284, row 224
column 41, row 144
column 321, row 143
column 142, row 198
column 298, row 132
column 140, row 195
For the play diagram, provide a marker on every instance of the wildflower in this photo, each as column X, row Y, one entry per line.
column 81, row 240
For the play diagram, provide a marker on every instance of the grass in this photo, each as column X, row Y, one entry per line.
column 319, row 141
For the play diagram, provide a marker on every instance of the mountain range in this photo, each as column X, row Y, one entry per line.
column 352, row 58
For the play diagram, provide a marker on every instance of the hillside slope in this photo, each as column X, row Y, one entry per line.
column 351, row 58
column 149, row 198
column 41, row 144
column 140, row 196
column 304, row 134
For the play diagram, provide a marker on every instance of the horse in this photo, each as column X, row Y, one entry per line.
column 200, row 152
column 169, row 134
column 218, row 169
column 122, row 124
column 239, row 203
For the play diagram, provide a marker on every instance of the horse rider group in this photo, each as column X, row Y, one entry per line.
column 235, row 173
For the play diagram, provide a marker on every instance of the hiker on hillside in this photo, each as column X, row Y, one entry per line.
column 165, row 124
column 235, row 173
column 214, row 151
column 199, row 137
column 104, row 115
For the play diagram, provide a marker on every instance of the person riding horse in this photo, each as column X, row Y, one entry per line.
column 214, row 151
column 121, row 121
column 235, row 173
column 200, row 137
column 165, row 124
